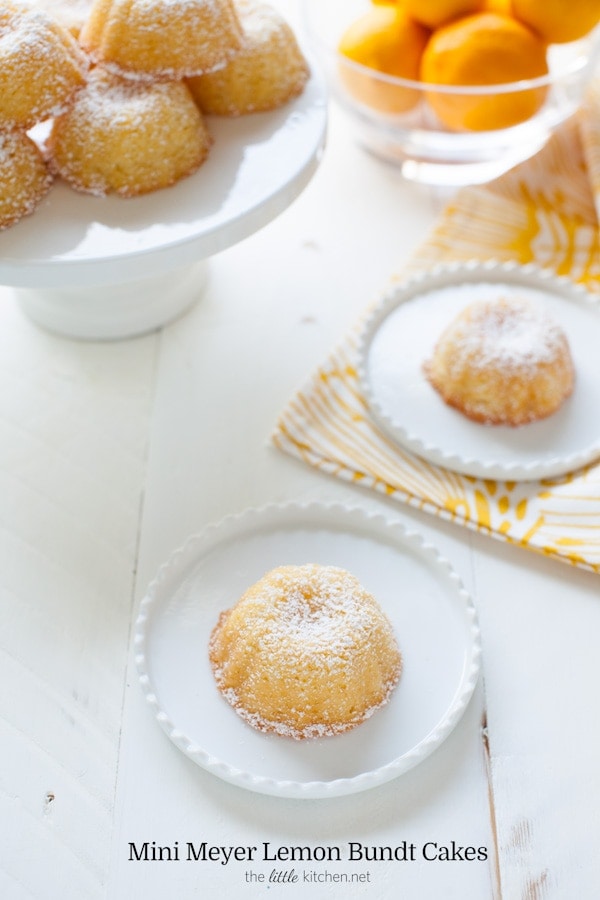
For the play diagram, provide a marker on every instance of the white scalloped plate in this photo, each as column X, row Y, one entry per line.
column 432, row 614
column 400, row 334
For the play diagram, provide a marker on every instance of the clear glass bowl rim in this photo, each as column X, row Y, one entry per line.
column 581, row 63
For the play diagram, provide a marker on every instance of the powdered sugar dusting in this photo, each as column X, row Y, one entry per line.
column 110, row 102
column 41, row 66
column 258, row 19
column 267, row 72
column 307, row 652
column 503, row 361
column 70, row 13
column 311, row 606
column 128, row 138
column 168, row 39
column 507, row 334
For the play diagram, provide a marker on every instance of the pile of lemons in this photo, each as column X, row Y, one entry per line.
column 457, row 43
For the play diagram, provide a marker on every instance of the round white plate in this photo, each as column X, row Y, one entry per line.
column 400, row 335
column 257, row 166
column 432, row 614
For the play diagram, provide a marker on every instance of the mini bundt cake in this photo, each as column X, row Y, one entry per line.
column 306, row 652
column 128, row 138
column 161, row 39
column 24, row 177
column 41, row 66
column 503, row 362
column 268, row 71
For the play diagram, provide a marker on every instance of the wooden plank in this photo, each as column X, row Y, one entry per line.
column 540, row 620
column 73, row 429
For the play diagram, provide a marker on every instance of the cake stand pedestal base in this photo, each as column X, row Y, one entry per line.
column 114, row 311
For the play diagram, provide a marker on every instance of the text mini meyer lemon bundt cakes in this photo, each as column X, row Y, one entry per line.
column 306, row 652
column 503, row 362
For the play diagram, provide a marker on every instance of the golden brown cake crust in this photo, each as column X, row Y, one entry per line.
column 24, row 177
column 306, row 652
column 503, row 362
column 268, row 71
column 161, row 39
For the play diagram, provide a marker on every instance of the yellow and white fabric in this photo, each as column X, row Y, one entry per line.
column 545, row 211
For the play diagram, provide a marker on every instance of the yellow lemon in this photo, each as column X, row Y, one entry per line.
column 434, row 13
column 558, row 21
column 484, row 49
column 501, row 6
column 388, row 41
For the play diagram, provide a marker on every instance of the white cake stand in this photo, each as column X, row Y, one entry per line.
column 107, row 268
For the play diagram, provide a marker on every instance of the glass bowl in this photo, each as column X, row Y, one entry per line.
column 415, row 139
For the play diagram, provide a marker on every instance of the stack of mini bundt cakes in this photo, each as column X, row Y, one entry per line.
column 122, row 87
column 41, row 70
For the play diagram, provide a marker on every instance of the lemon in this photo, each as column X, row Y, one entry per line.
column 486, row 48
column 388, row 41
column 434, row 13
column 558, row 21
column 501, row 6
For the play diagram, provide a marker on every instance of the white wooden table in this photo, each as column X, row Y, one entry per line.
column 112, row 454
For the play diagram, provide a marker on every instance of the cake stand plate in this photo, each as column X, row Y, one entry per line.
column 105, row 268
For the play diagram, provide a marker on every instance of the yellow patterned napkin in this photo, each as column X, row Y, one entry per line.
column 546, row 212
